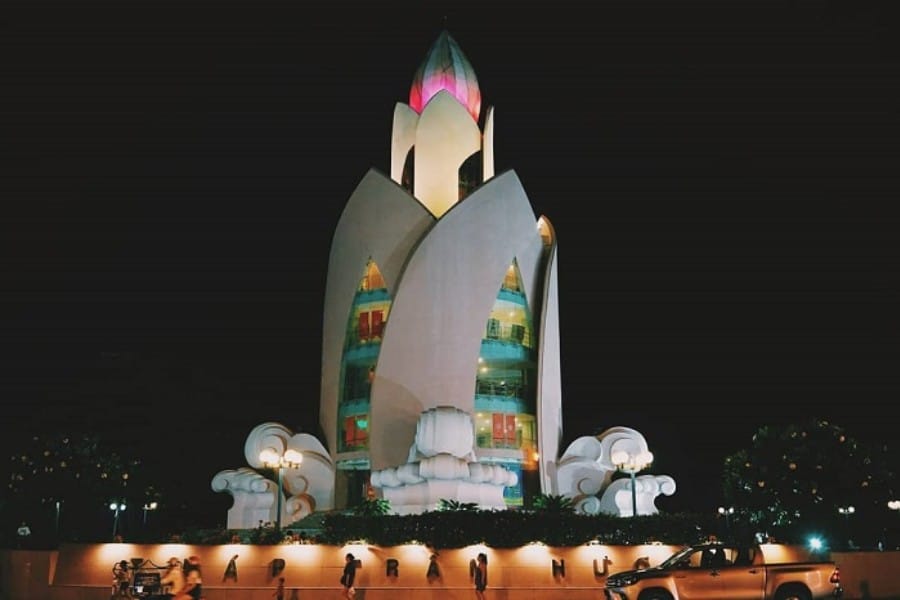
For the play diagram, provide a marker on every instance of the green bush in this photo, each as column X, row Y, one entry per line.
column 511, row 528
column 458, row 527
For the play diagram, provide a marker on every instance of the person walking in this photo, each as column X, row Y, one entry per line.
column 173, row 579
column 349, row 576
column 480, row 575
column 193, row 582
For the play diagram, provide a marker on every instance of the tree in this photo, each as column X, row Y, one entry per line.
column 792, row 480
column 66, row 482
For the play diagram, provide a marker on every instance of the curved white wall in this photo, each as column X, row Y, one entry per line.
column 433, row 336
column 380, row 220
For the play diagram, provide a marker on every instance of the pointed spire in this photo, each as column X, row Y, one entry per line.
column 446, row 68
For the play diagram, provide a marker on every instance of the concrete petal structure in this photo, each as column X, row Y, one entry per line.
column 441, row 292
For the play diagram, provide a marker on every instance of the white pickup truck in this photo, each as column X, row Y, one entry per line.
column 718, row 571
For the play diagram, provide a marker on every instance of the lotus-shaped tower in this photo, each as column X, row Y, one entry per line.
column 440, row 340
column 441, row 293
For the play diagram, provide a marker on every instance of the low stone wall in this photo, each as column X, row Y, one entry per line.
column 312, row 572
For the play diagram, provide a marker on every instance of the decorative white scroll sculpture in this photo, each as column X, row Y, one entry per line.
column 616, row 499
column 442, row 466
column 252, row 493
column 307, row 488
column 585, row 472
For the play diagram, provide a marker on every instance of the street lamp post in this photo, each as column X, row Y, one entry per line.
column 632, row 464
column 847, row 511
column 148, row 506
column 894, row 505
column 117, row 507
column 727, row 511
column 291, row 459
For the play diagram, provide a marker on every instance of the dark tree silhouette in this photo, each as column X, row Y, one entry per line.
column 63, row 484
column 792, row 480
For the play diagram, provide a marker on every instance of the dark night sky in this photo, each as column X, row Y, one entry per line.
column 722, row 177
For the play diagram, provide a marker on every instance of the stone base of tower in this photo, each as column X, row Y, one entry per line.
column 419, row 497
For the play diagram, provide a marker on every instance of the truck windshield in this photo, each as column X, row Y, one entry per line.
column 677, row 557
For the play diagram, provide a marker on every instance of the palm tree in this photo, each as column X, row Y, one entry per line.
column 553, row 504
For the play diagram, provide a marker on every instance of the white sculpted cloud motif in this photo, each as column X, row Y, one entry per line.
column 585, row 472
column 442, row 465
column 307, row 488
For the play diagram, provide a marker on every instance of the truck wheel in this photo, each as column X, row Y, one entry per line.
column 655, row 595
column 793, row 592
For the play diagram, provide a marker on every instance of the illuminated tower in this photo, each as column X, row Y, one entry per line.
column 441, row 291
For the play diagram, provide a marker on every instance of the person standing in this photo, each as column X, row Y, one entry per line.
column 480, row 575
column 349, row 576
column 121, row 579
